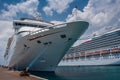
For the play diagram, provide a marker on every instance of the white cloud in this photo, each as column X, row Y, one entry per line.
column 29, row 7
column 103, row 30
column 57, row 22
column 102, row 14
column 56, row 5
column 5, row 33
column 48, row 11
column 99, row 13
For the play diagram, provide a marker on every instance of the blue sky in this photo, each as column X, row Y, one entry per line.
column 103, row 15
column 42, row 3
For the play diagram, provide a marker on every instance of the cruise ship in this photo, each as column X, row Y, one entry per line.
column 39, row 45
column 100, row 50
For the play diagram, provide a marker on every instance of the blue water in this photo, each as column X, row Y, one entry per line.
column 82, row 73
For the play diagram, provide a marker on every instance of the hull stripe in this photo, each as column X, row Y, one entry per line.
column 43, row 36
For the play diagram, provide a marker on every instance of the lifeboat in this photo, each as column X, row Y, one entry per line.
column 115, row 50
column 82, row 55
column 76, row 55
column 70, row 56
column 65, row 57
column 104, row 51
column 89, row 54
column 96, row 52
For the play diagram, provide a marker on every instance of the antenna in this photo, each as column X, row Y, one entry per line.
column 76, row 10
column 37, row 16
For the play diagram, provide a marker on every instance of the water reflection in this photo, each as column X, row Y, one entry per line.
column 83, row 73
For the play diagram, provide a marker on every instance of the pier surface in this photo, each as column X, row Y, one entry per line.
column 6, row 74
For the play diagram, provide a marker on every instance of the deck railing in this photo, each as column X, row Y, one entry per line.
column 47, row 28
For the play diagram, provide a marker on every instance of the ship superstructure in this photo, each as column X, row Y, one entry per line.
column 100, row 50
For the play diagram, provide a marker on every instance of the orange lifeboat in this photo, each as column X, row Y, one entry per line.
column 76, row 55
column 82, row 55
column 96, row 52
column 65, row 56
column 88, row 54
column 70, row 56
column 104, row 51
column 115, row 50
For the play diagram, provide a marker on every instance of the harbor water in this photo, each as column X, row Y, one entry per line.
column 82, row 73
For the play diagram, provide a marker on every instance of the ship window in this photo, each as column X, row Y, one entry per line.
column 50, row 42
column 38, row 41
column 22, row 32
column 18, row 24
column 50, row 27
column 69, row 39
column 32, row 25
column 41, row 26
column 46, row 43
column 63, row 36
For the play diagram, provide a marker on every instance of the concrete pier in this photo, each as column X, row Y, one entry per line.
column 6, row 74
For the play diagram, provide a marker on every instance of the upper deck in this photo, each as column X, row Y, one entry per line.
column 110, row 39
column 30, row 23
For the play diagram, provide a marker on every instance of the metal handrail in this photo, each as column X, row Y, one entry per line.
column 47, row 28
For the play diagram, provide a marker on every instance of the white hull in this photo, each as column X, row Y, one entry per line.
column 50, row 49
column 110, row 61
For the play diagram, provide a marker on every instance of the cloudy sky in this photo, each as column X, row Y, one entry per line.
column 103, row 15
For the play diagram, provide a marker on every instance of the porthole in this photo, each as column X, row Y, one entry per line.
column 63, row 36
column 46, row 43
column 69, row 39
column 38, row 41
column 50, row 42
